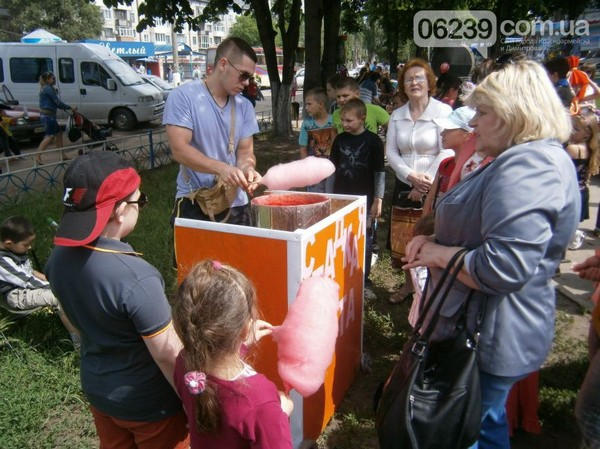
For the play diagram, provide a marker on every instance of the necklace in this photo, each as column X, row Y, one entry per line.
column 112, row 251
column 213, row 97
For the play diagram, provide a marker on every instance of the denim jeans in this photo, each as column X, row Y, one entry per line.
column 494, row 427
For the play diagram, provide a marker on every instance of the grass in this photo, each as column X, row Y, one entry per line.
column 41, row 403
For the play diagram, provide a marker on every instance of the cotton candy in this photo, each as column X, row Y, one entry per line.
column 301, row 173
column 306, row 339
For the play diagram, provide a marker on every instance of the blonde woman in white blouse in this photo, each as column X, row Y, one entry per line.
column 413, row 143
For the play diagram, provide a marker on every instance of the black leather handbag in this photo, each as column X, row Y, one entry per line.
column 432, row 398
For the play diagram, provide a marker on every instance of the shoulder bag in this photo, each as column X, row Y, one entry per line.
column 432, row 398
column 218, row 198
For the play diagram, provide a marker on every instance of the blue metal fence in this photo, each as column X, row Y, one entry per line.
column 22, row 175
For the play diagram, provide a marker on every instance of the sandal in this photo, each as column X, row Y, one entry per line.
column 401, row 295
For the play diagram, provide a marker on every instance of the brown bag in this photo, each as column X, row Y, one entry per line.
column 216, row 199
column 401, row 229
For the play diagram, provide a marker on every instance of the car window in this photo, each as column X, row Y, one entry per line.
column 126, row 75
column 160, row 82
column 93, row 74
column 66, row 70
column 28, row 70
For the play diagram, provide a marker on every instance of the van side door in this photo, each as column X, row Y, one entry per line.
column 66, row 81
column 24, row 70
column 96, row 98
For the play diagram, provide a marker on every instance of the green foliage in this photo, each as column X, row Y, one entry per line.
column 245, row 28
column 69, row 19
column 41, row 404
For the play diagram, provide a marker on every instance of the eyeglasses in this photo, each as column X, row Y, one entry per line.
column 141, row 201
column 244, row 76
column 417, row 79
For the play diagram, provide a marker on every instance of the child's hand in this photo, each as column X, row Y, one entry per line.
column 258, row 330
column 589, row 269
column 376, row 208
column 39, row 275
column 287, row 405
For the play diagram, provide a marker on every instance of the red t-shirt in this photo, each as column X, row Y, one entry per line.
column 251, row 414
column 444, row 171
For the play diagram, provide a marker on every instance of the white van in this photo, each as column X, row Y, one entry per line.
column 100, row 84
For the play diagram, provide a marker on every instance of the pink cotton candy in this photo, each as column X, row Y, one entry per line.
column 306, row 339
column 302, row 173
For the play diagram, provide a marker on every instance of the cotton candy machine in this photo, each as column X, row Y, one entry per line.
column 296, row 235
column 289, row 211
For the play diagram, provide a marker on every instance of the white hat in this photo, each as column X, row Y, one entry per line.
column 458, row 119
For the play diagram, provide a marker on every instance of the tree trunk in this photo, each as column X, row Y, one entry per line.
column 332, row 10
column 280, row 88
column 282, row 123
column 421, row 52
column 313, row 17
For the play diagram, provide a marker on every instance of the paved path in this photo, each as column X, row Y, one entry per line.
column 568, row 283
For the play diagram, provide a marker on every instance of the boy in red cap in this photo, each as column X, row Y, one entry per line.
column 116, row 299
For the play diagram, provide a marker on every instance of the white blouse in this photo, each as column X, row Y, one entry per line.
column 416, row 146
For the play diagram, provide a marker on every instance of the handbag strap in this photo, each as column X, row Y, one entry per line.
column 440, row 293
column 230, row 143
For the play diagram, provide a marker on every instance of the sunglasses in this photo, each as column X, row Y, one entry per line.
column 244, row 76
column 141, row 201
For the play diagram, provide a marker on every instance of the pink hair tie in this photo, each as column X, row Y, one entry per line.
column 217, row 265
column 195, row 381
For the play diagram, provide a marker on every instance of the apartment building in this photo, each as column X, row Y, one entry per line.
column 120, row 24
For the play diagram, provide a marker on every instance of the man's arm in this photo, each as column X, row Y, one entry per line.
column 184, row 153
column 164, row 348
column 246, row 161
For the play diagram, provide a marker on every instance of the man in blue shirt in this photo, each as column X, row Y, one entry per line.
column 210, row 128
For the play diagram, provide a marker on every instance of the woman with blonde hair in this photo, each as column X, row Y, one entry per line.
column 516, row 217
column 49, row 104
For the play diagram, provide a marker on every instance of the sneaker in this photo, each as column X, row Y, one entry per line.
column 374, row 258
column 401, row 295
column 578, row 240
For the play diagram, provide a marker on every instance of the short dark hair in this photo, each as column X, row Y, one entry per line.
column 234, row 48
column 319, row 94
column 16, row 229
column 348, row 83
column 355, row 105
column 333, row 80
column 558, row 65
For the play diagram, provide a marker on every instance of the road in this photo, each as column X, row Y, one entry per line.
column 262, row 107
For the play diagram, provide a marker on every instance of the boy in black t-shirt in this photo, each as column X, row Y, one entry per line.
column 358, row 156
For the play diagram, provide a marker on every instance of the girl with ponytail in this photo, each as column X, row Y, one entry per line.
column 228, row 404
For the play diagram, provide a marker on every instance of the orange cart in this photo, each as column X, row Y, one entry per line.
column 276, row 262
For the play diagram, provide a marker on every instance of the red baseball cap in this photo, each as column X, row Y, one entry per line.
column 93, row 184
